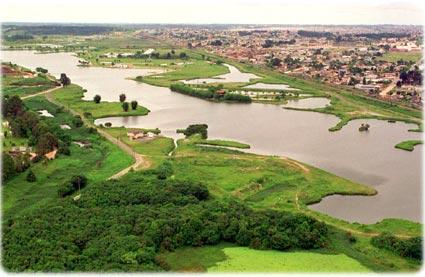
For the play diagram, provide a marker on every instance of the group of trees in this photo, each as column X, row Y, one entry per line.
column 211, row 93
column 411, row 247
column 74, row 184
column 270, row 43
column 41, row 134
column 122, row 97
column 411, row 77
column 193, row 129
column 122, row 225
column 125, row 105
column 156, row 55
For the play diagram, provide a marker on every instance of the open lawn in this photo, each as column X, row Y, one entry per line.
column 228, row 258
column 193, row 69
column 263, row 181
column 71, row 97
column 155, row 149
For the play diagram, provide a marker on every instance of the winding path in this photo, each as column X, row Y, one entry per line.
column 40, row 93
column 140, row 160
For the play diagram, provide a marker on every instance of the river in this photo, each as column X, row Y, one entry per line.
column 365, row 157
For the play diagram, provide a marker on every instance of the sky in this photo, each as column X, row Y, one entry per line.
column 215, row 11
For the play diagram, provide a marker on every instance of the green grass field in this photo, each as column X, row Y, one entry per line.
column 156, row 149
column 396, row 56
column 263, row 181
column 18, row 85
column 71, row 97
column 223, row 143
column 408, row 145
column 228, row 258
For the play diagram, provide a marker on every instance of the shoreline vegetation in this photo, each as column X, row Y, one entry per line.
column 211, row 93
column 408, row 145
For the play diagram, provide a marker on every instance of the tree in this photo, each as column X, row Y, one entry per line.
column 8, row 166
column 182, row 55
column 97, row 98
column 133, row 105
column 364, row 81
column 42, row 70
column 79, row 181
column 65, row 81
column 31, row 176
column 46, row 143
column 125, row 106
column 77, row 121
column 13, row 106
column 122, row 97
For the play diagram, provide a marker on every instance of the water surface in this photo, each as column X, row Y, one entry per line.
column 365, row 157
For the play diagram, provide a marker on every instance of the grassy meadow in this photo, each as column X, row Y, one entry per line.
column 71, row 97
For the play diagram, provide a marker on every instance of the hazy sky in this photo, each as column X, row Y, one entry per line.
column 216, row 11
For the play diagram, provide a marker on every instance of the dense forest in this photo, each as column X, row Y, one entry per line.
column 123, row 225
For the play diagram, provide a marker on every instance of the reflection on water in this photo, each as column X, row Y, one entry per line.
column 365, row 157
column 308, row 103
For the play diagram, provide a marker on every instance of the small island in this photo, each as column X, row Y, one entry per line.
column 408, row 145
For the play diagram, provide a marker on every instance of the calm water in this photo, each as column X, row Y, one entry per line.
column 366, row 157
column 308, row 103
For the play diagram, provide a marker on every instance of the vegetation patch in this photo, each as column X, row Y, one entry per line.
column 408, row 145
column 71, row 97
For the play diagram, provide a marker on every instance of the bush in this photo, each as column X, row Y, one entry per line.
column 97, row 98
column 134, row 105
column 31, row 176
column 196, row 129
column 79, row 181
column 77, row 121
column 404, row 247
column 64, row 149
column 87, row 114
column 165, row 170
column 122, row 97
column 65, row 189
column 125, row 106
column 108, row 124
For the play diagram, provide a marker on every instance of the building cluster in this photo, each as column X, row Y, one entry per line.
column 367, row 58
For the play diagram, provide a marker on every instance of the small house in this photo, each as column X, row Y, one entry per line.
column 135, row 134
column 51, row 155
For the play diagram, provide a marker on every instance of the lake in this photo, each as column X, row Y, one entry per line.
column 365, row 157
